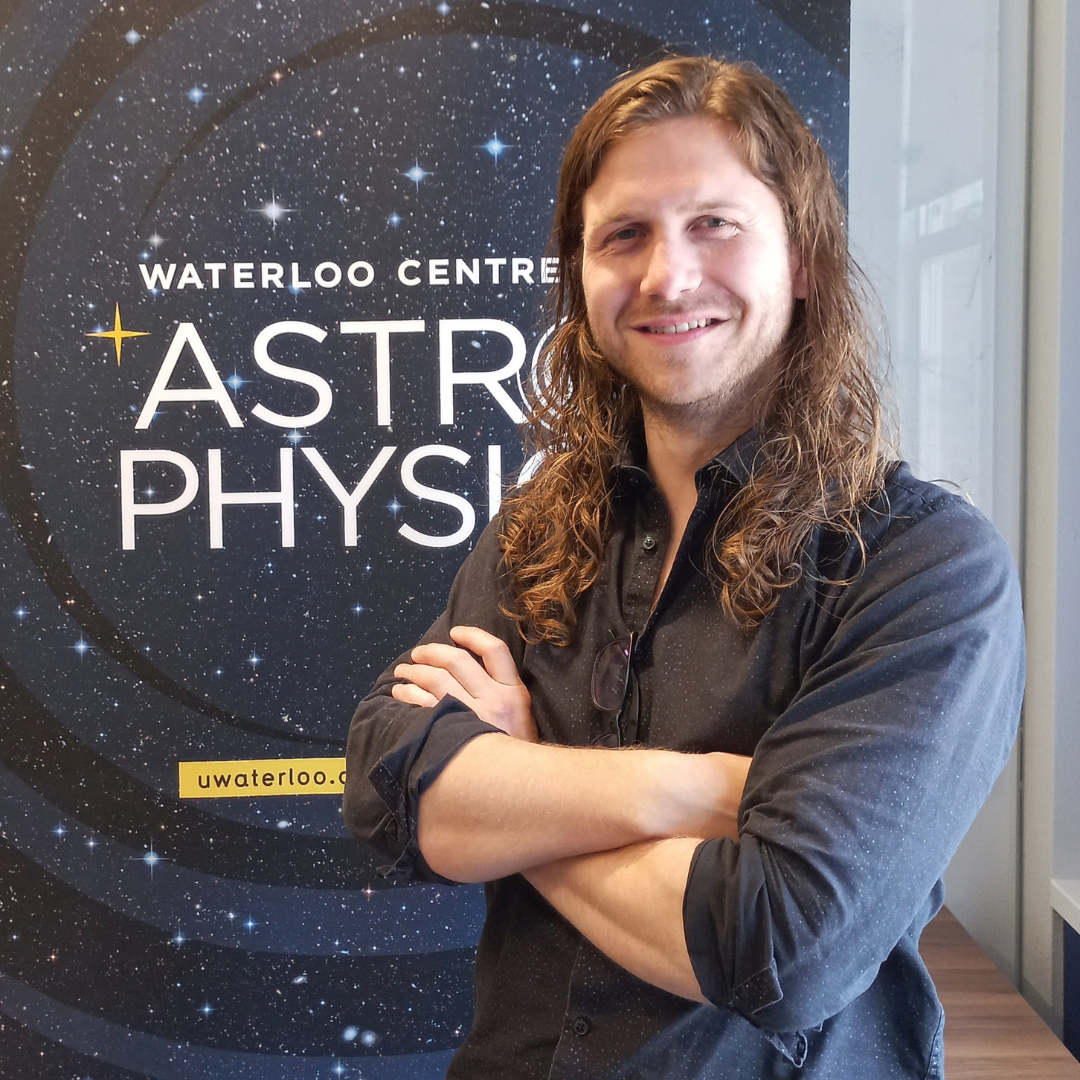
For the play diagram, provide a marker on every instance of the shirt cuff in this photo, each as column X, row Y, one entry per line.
column 733, row 964
column 401, row 776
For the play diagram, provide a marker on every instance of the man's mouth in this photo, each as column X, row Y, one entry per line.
column 679, row 327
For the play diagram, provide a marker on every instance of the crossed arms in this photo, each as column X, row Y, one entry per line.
column 606, row 836
column 908, row 693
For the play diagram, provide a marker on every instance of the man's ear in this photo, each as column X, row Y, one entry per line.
column 800, row 280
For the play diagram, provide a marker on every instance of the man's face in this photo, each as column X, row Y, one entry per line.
column 688, row 274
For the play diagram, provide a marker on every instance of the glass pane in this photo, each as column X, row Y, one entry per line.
column 936, row 221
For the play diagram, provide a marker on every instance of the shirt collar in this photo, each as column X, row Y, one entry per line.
column 737, row 460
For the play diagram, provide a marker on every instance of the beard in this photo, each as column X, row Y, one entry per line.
column 737, row 398
column 733, row 389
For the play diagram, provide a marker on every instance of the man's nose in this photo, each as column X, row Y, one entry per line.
column 672, row 267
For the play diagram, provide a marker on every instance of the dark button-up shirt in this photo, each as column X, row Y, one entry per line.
column 878, row 714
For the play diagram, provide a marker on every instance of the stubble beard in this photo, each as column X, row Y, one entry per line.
column 749, row 371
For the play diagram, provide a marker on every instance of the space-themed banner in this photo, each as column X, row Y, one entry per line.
column 272, row 280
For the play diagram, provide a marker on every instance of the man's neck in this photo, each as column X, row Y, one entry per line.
column 677, row 447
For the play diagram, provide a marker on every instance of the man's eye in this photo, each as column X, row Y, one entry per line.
column 722, row 225
column 625, row 234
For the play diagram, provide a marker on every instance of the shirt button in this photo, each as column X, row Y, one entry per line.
column 649, row 543
column 582, row 1026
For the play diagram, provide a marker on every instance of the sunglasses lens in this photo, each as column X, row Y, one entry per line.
column 610, row 674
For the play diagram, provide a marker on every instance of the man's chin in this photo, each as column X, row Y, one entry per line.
column 697, row 405
column 688, row 407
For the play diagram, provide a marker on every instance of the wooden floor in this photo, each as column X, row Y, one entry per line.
column 991, row 1033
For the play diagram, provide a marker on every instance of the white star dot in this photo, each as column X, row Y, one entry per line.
column 273, row 210
column 495, row 146
column 416, row 174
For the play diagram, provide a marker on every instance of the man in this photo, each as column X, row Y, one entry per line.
column 717, row 695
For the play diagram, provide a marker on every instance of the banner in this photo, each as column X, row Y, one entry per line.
column 273, row 279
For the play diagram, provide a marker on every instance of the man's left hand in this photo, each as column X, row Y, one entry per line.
column 490, row 685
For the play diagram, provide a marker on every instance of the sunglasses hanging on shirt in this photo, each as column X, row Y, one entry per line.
column 614, row 686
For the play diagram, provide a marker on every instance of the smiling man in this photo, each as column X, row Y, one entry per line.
column 718, row 693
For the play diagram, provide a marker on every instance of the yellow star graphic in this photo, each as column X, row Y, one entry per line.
column 118, row 333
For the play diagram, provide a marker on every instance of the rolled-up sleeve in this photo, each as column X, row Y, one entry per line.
column 396, row 750
column 861, row 790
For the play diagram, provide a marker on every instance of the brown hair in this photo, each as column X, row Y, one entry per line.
column 821, row 457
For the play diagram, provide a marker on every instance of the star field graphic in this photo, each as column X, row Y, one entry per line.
column 322, row 178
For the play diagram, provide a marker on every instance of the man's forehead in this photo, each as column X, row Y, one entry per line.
column 710, row 170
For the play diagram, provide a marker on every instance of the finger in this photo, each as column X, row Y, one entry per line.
column 495, row 653
column 411, row 694
column 459, row 663
column 436, row 681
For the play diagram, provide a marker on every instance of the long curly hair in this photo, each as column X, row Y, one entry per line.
column 822, row 449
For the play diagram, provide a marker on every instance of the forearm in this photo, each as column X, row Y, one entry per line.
column 503, row 805
column 628, row 903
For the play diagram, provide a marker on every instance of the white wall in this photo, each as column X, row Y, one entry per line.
column 1051, row 836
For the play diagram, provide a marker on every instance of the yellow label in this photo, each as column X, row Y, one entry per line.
column 261, row 778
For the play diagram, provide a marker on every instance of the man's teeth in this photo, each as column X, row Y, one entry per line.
column 679, row 328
